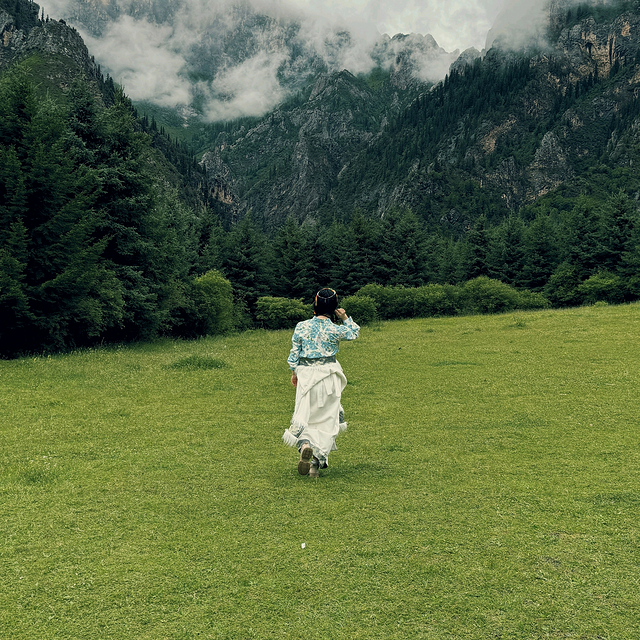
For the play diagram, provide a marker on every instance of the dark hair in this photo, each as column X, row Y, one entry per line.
column 325, row 302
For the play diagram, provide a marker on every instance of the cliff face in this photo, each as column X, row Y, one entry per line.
column 584, row 52
column 49, row 38
column 542, row 134
column 289, row 163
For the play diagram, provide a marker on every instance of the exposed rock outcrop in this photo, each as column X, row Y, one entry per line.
column 550, row 167
column 49, row 37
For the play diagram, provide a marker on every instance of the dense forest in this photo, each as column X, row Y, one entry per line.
column 109, row 233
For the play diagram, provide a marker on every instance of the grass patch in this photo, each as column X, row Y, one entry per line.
column 146, row 500
column 197, row 362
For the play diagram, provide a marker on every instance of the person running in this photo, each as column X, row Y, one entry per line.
column 318, row 416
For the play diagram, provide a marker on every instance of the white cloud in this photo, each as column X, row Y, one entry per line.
column 252, row 88
column 140, row 56
column 518, row 21
column 151, row 59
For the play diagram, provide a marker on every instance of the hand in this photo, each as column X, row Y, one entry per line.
column 342, row 314
column 294, row 379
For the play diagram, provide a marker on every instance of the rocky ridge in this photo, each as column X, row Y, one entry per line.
column 328, row 146
column 49, row 37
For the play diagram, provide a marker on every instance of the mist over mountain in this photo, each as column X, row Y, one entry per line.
column 543, row 106
column 223, row 59
column 520, row 165
column 233, row 59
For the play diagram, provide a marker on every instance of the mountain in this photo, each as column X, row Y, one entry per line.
column 500, row 132
column 104, row 220
column 23, row 33
column 213, row 61
column 520, row 166
column 540, row 111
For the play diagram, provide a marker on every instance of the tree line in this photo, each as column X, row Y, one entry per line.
column 583, row 254
column 95, row 245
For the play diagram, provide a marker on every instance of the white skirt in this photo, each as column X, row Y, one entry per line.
column 318, row 415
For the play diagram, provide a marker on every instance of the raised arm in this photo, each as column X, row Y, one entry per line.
column 349, row 330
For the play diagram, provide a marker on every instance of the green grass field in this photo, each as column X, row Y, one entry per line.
column 488, row 486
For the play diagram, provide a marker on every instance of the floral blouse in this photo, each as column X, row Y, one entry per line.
column 318, row 338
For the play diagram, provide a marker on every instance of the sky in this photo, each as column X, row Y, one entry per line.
column 150, row 59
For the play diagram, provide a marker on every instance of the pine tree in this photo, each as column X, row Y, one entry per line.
column 246, row 263
column 447, row 253
column 505, row 260
column 402, row 256
column 356, row 252
column 126, row 205
column 583, row 238
column 541, row 253
column 293, row 262
column 476, row 249
column 619, row 218
column 60, row 292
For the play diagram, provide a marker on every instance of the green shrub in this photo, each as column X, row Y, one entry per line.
column 403, row 302
column 529, row 300
column 281, row 313
column 391, row 302
column 481, row 295
column 382, row 297
column 562, row 287
column 361, row 308
column 602, row 286
column 436, row 300
column 242, row 319
column 213, row 304
column 484, row 295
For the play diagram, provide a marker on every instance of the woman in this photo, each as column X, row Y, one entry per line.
column 318, row 378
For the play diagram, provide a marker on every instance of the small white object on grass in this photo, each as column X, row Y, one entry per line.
column 303, row 545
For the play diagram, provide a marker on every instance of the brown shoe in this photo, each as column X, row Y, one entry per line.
column 314, row 471
column 304, row 465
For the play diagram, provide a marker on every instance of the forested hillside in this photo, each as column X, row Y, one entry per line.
column 500, row 132
column 520, row 167
column 104, row 221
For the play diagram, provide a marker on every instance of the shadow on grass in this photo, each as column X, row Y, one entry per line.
column 37, row 472
column 343, row 473
column 198, row 363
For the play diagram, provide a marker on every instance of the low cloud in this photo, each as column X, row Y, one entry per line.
column 251, row 88
column 171, row 51
column 140, row 56
column 519, row 23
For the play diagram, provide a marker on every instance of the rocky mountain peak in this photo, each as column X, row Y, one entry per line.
column 44, row 36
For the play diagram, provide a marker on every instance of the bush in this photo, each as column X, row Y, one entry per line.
column 382, row 297
column 403, row 302
column 602, row 286
column 421, row 302
column 562, row 287
column 281, row 313
column 484, row 295
column 436, row 300
column 481, row 295
column 213, row 304
column 361, row 308
column 529, row 300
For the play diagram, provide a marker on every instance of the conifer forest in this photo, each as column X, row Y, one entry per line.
column 117, row 226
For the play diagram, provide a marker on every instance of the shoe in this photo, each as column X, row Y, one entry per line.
column 314, row 471
column 305, row 456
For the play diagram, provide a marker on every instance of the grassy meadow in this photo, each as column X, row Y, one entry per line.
column 488, row 486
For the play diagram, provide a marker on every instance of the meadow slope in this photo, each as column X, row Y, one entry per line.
column 488, row 486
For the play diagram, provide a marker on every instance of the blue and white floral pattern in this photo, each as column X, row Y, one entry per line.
column 319, row 338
